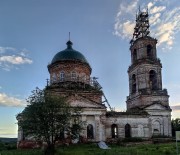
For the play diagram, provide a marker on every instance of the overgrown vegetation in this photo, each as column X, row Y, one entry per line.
column 47, row 116
column 175, row 126
column 7, row 146
column 92, row 149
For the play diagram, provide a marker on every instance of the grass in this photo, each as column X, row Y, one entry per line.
column 92, row 149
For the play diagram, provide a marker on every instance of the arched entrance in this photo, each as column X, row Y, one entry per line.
column 90, row 131
column 127, row 131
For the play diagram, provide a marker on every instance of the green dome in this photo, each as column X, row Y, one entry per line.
column 69, row 54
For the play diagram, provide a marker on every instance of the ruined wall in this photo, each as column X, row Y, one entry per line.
column 161, row 120
column 140, row 126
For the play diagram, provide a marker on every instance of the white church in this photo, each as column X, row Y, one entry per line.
column 148, row 111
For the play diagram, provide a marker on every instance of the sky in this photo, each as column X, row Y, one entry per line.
column 32, row 32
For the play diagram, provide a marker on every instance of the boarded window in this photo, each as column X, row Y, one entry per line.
column 53, row 78
column 156, row 127
column 73, row 75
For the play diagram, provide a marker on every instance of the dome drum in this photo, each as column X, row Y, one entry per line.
column 69, row 71
column 69, row 65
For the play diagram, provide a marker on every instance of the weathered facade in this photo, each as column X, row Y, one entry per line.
column 148, row 110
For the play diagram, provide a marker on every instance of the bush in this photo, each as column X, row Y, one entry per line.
column 160, row 136
column 167, row 152
column 132, row 139
column 2, row 146
column 7, row 146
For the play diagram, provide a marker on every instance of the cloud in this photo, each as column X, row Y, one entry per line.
column 123, row 26
column 164, row 20
column 10, row 101
column 175, row 107
column 175, row 111
column 154, row 19
column 4, row 49
column 150, row 4
column 15, row 60
column 10, row 58
column 156, row 9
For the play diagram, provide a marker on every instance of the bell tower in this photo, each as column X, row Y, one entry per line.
column 145, row 78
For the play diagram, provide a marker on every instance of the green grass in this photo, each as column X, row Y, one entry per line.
column 92, row 149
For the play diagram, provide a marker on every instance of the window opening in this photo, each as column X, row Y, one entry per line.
column 114, row 130
column 149, row 51
column 127, row 131
column 153, row 80
column 90, row 134
column 134, row 55
column 73, row 75
column 133, row 83
column 62, row 76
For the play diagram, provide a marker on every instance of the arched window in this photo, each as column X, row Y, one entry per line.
column 83, row 77
column 153, row 80
column 133, row 83
column 127, row 131
column 114, row 131
column 62, row 76
column 90, row 131
column 53, row 78
column 149, row 51
column 61, row 135
column 75, row 131
column 156, row 127
column 73, row 75
column 140, row 130
column 134, row 55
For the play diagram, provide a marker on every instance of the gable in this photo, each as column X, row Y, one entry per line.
column 155, row 107
column 76, row 100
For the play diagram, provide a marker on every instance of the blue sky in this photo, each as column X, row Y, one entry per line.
column 32, row 32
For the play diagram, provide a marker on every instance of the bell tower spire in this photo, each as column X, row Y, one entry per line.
column 142, row 25
column 145, row 79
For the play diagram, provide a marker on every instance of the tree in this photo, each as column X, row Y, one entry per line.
column 175, row 126
column 46, row 116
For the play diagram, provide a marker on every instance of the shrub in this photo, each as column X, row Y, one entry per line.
column 167, row 152
column 160, row 136
column 132, row 139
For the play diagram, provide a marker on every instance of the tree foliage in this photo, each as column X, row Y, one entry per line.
column 46, row 116
column 175, row 125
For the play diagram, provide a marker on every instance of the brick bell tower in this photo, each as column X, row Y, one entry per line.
column 145, row 78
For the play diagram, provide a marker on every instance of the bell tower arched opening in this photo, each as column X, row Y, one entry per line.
column 153, row 80
column 134, row 55
column 133, row 83
column 149, row 52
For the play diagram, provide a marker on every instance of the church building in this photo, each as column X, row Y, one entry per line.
column 148, row 111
